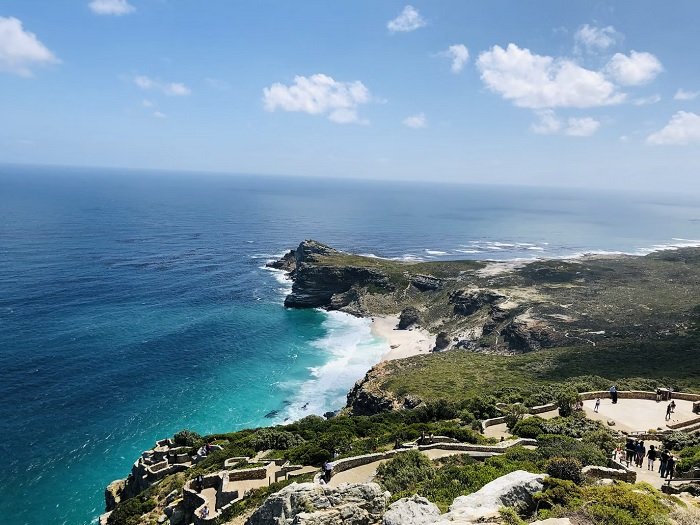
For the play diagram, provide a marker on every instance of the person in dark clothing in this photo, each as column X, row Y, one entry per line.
column 664, row 463
column 613, row 394
column 630, row 449
column 199, row 481
column 668, row 412
column 641, row 452
column 670, row 466
column 651, row 457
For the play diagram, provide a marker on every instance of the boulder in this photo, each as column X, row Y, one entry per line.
column 512, row 490
column 311, row 504
column 415, row 510
column 442, row 341
column 409, row 317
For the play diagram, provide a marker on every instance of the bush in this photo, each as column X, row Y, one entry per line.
column 188, row 438
column 129, row 512
column 602, row 438
column 309, row 454
column 565, row 468
column 273, row 438
column 574, row 426
column 530, row 427
column 514, row 413
column 405, row 471
column 680, row 440
column 553, row 445
column 566, row 400
column 689, row 459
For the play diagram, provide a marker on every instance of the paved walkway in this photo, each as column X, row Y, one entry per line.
column 635, row 415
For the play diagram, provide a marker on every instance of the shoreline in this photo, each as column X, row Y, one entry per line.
column 402, row 343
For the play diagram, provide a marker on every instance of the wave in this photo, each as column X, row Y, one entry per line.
column 351, row 351
column 281, row 277
column 436, row 252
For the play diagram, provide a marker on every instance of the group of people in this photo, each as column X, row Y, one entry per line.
column 636, row 451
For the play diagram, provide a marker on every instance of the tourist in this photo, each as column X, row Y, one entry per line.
column 431, row 438
column 613, row 394
column 673, row 406
column 199, row 481
column 597, row 404
column 670, row 467
column 664, row 462
column 204, row 513
column 327, row 468
column 421, row 441
column 630, row 450
column 651, row 456
column 668, row 412
column 658, row 395
column 641, row 453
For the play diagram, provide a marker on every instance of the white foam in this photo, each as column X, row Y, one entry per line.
column 281, row 277
column 352, row 350
column 436, row 252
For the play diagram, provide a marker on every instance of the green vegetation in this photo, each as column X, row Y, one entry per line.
column 404, row 472
column 534, row 378
column 618, row 504
column 689, row 459
column 188, row 438
column 131, row 511
column 565, row 468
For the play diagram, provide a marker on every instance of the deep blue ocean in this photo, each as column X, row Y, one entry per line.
column 133, row 305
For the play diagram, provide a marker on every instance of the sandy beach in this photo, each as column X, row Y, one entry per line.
column 402, row 343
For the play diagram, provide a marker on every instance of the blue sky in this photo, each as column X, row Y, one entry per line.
column 575, row 93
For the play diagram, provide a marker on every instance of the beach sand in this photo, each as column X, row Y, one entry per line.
column 403, row 343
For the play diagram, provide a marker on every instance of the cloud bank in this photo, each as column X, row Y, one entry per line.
column 21, row 50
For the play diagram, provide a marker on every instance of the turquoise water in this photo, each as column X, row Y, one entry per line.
column 136, row 304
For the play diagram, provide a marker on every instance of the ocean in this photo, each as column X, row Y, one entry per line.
column 135, row 304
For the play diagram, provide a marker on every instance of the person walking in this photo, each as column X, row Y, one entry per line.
column 641, row 452
column 664, row 463
column 668, row 412
column 597, row 404
column 651, row 457
column 671, row 466
column 629, row 451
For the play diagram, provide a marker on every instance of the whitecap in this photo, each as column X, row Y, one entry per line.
column 436, row 252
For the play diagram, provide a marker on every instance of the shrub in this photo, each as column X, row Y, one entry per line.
column 405, row 471
column 575, row 425
column 130, row 512
column 566, row 400
column 680, row 440
column 565, row 468
column 273, row 438
column 514, row 413
column 188, row 438
column 553, row 445
column 510, row 517
column 602, row 438
column 309, row 454
column 689, row 459
column 530, row 427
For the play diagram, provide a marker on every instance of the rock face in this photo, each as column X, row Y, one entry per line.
column 327, row 286
column 364, row 400
column 311, row 504
column 113, row 494
column 287, row 263
column 527, row 336
column 426, row 283
column 512, row 490
column 409, row 316
column 411, row 511
column 468, row 302
column 442, row 341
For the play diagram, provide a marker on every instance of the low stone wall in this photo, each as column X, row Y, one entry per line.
column 596, row 472
column 249, row 473
column 493, row 421
column 341, row 465
column 469, row 447
column 683, row 424
column 541, row 409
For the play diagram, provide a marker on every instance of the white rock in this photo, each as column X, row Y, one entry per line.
column 411, row 511
column 512, row 490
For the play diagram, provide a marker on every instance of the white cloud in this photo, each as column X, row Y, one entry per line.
column 683, row 128
column 537, row 81
column 20, row 50
column 175, row 89
column 147, row 103
column 550, row 124
column 645, row 101
column 111, row 7
column 408, row 20
column 319, row 95
column 459, row 55
column 581, row 127
column 158, row 114
column 633, row 70
column 594, row 38
column 415, row 121
column 682, row 94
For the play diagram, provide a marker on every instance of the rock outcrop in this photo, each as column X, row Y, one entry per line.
column 311, row 504
column 415, row 510
column 409, row 316
column 527, row 335
column 320, row 285
column 113, row 494
column 469, row 301
column 287, row 263
column 426, row 283
column 512, row 490
column 442, row 341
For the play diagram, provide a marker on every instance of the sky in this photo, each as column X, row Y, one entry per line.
column 575, row 93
